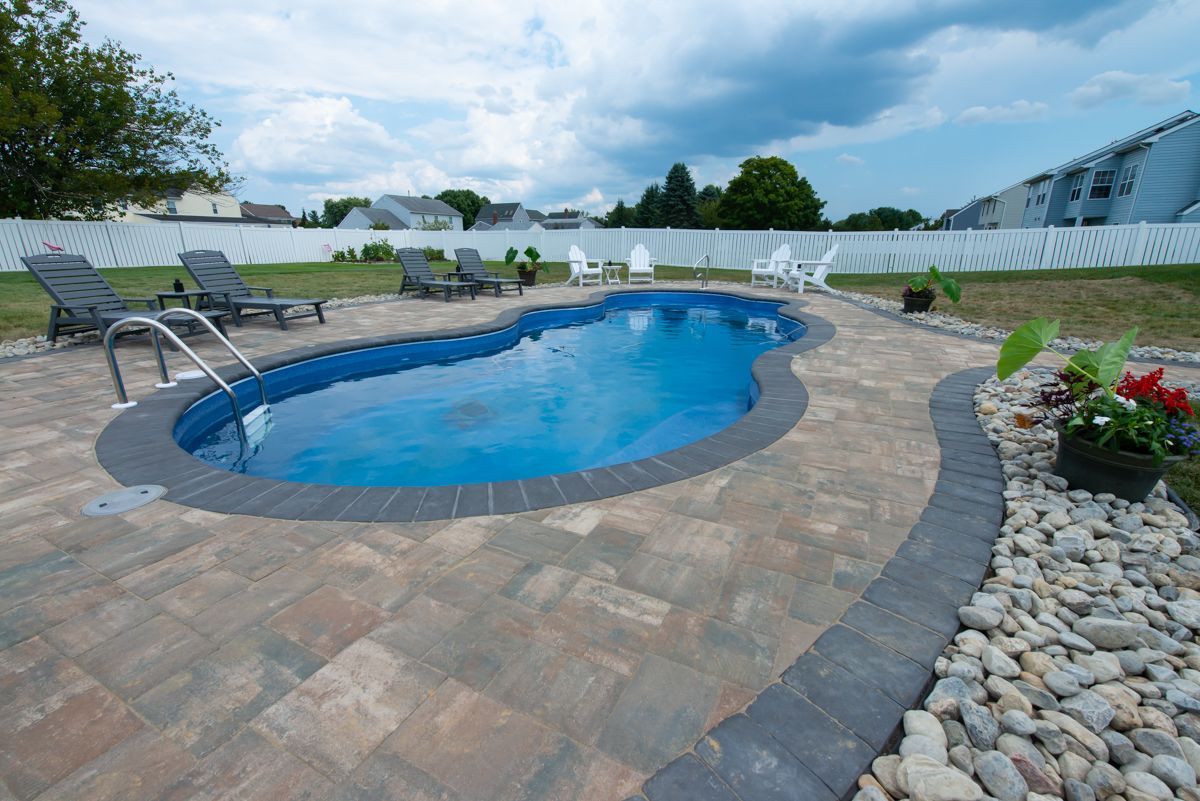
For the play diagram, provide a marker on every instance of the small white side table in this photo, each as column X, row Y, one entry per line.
column 612, row 273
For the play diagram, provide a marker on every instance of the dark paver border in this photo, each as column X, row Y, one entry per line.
column 138, row 446
column 816, row 730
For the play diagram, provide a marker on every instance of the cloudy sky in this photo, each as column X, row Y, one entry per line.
column 879, row 102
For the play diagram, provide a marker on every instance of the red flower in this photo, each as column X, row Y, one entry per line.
column 1149, row 388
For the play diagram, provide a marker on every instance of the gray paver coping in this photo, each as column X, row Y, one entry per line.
column 138, row 446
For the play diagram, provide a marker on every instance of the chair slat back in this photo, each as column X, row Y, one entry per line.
column 781, row 258
column 639, row 258
column 577, row 260
column 415, row 264
column 469, row 261
column 212, row 272
column 830, row 254
column 71, row 280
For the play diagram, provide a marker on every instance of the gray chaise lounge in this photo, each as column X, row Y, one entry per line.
column 84, row 301
column 469, row 263
column 213, row 273
column 419, row 275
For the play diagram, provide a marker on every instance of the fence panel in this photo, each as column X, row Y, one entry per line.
column 115, row 244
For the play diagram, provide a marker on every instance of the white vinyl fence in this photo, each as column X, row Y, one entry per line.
column 114, row 244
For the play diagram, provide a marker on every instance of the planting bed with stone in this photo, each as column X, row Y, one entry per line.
column 1076, row 674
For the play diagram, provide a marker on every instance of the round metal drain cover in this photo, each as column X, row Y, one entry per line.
column 122, row 500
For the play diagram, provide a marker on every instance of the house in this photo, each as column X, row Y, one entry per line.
column 1151, row 175
column 273, row 213
column 506, row 226
column 219, row 208
column 413, row 212
column 569, row 220
column 362, row 217
column 535, row 215
column 1003, row 209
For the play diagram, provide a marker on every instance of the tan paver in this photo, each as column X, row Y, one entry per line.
column 537, row 655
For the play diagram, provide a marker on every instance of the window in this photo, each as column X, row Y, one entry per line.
column 1128, row 177
column 1102, row 182
column 171, row 207
column 1042, row 186
column 1076, row 188
column 215, row 208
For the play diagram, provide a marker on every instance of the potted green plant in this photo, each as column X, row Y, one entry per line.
column 921, row 290
column 1116, row 432
column 527, row 271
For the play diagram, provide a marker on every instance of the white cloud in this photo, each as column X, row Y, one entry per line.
column 314, row 136
column 1148, row 90
column 1016, row 111
column 854, row 161
column 888, row 124
column 910, row 190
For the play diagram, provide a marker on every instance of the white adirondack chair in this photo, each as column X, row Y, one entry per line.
column 580, row 271
column 772, row 270
column 641, row 266
column 812, row 272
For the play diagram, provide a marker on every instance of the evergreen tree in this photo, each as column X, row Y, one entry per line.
column 648, row 211
column 677, row 209
column 769, row 193
column 619, row 216
column 708, row 204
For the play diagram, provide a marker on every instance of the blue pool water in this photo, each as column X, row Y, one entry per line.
column 560, row 391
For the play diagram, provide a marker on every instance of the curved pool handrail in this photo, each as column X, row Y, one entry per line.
column 696, row 270
column 157, row 327
column 224, row 340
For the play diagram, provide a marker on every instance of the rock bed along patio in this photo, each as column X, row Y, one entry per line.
column 568, row 653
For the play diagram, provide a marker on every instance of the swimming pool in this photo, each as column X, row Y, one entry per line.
column 560, row 390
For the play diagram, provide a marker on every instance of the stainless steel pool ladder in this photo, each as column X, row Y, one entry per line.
column 157, row 327
column 703, row 279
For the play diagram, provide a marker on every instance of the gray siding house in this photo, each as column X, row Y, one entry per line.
column 1003, row 209
column 362, row 217
column 1152, row 175
column 568, row 220
column 411, row 212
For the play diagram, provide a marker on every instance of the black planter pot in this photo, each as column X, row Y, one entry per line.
column 529, row 277
column 1131, row 476
column 913, row 303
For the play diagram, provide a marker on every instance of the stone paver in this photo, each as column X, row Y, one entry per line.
column 568, row 652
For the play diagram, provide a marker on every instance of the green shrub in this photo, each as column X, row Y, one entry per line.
column 378, row 251
column 351, row 254
column 434, row 254
column 339, row 255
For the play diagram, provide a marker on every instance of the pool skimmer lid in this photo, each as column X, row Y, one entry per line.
column 122, row 500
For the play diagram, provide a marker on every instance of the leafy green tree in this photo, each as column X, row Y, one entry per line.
column 677, row 209
column 83, row 127
column 619, row 216
column 769, row 193
column 648, row 212
column 710, row 192
column 434, row 225
column 336, row 209
column 465, row 201
column 380, row 226
column 859, row 221
column 891, row 217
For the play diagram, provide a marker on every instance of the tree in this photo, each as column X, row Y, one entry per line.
column 314, row 221
column 859, row 221
column 677, row 209
column 619, row 216
column 769, row 193
column 379, row 226
column 83, row 128
column 647, row 213
column 708, row 205
column 336, row 209
column 465, row 201
column 884, row 218
column 434, row 225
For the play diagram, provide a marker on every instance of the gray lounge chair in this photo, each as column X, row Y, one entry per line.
column 84, row 301
column 419, row 275
column 213, row 273
column 470, row 264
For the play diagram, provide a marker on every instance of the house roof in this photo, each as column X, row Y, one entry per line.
column 501, row 211
column 510, row 225
column 1188, row 209
column 535, row 215
column 1150, row 134
column 557, row 224
column 381, row 216
column 565, row 215
column 245, row 219
column 424, row 205
column 271, row 211
column 480, row 225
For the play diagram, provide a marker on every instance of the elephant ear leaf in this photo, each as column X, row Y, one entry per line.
column 950, row 287
column 1024, row 344
column 1111, row 356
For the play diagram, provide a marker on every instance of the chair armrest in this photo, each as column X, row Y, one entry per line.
column 755, row 265
column 151, row 303
column 813, row 263
column 88, row 309
column 270, row 292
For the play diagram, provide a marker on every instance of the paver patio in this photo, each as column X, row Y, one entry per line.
column 567, row 653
